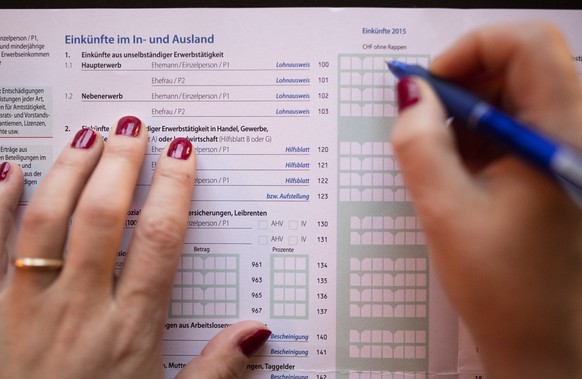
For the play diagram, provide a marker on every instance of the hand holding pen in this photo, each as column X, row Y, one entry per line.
column 559, row 161
column 506, row 241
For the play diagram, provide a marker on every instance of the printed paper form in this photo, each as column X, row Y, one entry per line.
column 300, row 218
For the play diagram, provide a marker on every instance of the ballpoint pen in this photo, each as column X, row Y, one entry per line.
column 559, row 161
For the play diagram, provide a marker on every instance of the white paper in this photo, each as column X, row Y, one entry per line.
column 300, row 218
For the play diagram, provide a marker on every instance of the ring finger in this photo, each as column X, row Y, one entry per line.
column 45, row 220
column 11, row 184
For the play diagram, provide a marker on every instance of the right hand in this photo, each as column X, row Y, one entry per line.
column 506, row 241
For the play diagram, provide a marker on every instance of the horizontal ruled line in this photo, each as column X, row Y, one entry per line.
column 252, row 201
column 202, row 70
column 27, row 137
column 195, row 101
column 220, row 228
column 238, row 116
column 218, row 243
column 255, row 169
column 231, row 85
column 249, row 154
column 254, row 355
column 252, row 185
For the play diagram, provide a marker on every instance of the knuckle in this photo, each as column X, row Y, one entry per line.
column 175, row 178
column 230, row 372
column 406, row 139
column 134, row 334
column 42, row 215
column 163, row 232
column 101, row 213
column 122, row 151
column 69, row 165
column 126, row 344
column 400, row 139
column 550, row 30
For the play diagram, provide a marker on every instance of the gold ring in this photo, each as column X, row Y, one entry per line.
column 39, row 263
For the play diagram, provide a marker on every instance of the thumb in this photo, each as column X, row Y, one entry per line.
column 426, row 150
column 11, row 184
column 227, row 354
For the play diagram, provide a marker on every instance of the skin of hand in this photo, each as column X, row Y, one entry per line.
column 10, row 191
column 83, row 322
column 505, row 240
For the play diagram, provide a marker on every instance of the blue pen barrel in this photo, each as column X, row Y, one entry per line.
column 472, row 111
column 530, row 145
column 459, row 104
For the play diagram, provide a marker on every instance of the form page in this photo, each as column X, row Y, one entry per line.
column 300, row 217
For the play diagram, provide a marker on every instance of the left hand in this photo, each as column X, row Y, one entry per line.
column 11, row 187
column 81, row 322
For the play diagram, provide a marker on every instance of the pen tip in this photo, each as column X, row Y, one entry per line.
column 397, row 68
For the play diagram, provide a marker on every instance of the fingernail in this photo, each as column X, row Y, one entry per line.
column 4, row 169
column 84, row 139
column 180, row 148
column 253, row 342
column 408, row 93
column 128, row 126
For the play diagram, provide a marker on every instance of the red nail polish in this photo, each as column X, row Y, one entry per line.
column 408, row 93
column 180, row 148
column 84, row 139
column 4, row 169
column 128, row 126
column 253, row 342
